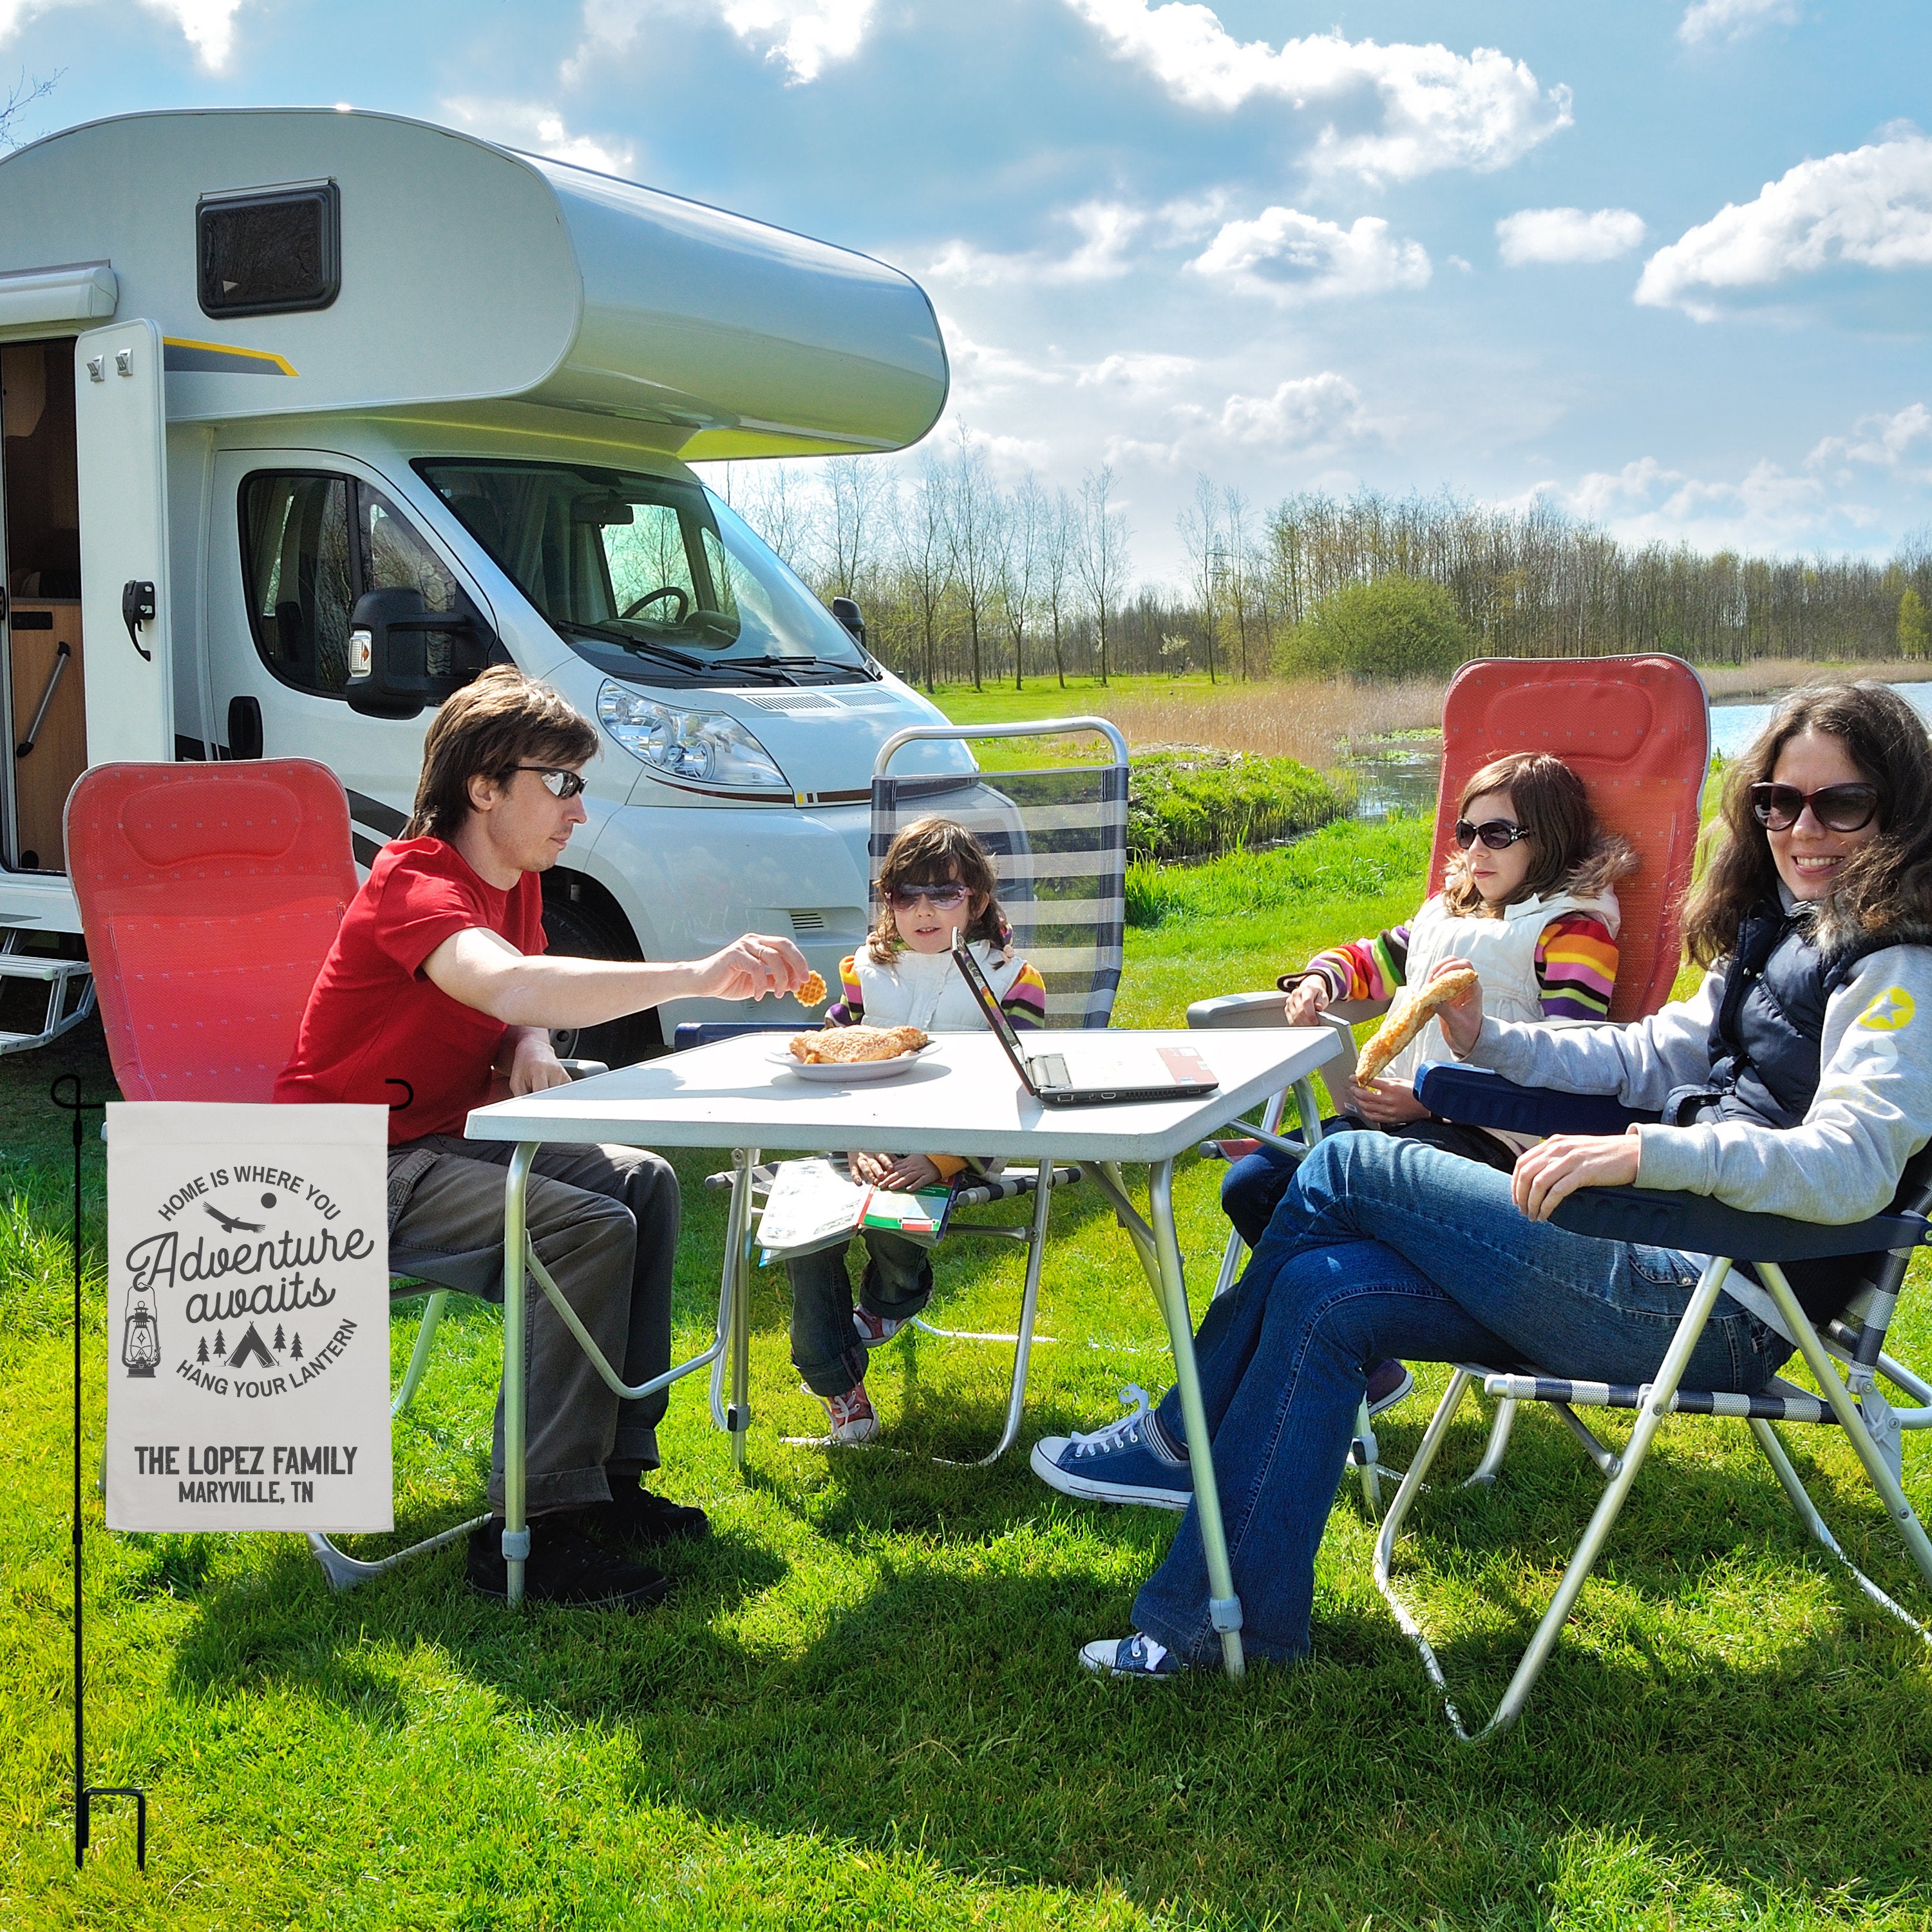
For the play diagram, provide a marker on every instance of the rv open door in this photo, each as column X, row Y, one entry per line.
column 120, row 440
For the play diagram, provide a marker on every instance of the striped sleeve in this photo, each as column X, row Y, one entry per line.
column 1365, row 969
column 1576, row 967
column 1025, row 1002
column 849, row 1009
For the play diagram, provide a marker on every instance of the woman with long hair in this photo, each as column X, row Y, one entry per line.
column 1797, row 1081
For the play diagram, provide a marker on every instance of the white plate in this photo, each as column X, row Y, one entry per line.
column 848, row 1072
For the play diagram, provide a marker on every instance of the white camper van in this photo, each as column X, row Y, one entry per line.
column 309, row 415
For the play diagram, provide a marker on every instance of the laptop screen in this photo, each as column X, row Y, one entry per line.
column 989, row 1005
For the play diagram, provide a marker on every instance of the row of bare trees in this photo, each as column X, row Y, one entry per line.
column 962, row 581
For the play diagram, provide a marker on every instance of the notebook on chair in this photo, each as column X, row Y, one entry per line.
column 1102, row 1070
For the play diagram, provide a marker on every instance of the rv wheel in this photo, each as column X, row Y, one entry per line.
column 575, row 932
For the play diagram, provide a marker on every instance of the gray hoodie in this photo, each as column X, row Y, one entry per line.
column 1872, row 1112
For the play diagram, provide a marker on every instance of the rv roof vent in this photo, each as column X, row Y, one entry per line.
column 270, row 250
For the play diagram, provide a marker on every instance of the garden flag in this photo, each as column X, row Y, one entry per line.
column 247, row 1317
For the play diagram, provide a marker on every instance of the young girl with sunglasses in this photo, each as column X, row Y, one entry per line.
column 936, row 881
column 1797, row 1081
column 1529, row 899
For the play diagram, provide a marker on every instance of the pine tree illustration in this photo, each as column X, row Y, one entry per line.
column 201, row 1354
column 280, row 1344
column 294, row 1347
column 220, row 1350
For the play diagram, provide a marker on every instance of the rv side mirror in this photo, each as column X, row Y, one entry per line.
column 847, row 611
column 403, row 655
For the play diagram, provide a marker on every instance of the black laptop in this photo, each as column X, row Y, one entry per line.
column 1102, row 1070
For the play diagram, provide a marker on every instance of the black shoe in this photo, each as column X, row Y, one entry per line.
column 563, row 1567
column 639, row 1520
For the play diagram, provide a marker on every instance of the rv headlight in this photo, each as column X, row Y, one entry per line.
column 702, row 747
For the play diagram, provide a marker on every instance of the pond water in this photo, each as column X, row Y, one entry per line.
column 1403, row 777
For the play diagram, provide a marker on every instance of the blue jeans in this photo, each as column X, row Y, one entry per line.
column 1387, row 1247
column 826, row 1350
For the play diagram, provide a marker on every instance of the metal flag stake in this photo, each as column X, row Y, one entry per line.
column 84, row 1793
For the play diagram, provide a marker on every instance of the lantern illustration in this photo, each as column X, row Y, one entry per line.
column 140, row 1339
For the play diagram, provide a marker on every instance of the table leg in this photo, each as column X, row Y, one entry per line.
column 516, row 1530
column 1224, row 1607
column 740, row 1412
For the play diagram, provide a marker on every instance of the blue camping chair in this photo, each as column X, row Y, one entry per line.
column 1848, row 1360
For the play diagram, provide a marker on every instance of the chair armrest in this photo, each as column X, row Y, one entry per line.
column 1265, row 1009
column 704, row 1033
column 1697, row 1224
column 1474, row 1097
column 583, row 1069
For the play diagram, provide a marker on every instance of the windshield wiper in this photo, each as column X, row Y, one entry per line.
column 650, row 647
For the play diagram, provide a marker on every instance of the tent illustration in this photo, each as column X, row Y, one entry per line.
column 250, row 1348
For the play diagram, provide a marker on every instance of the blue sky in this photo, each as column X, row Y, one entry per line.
column 1665, row 263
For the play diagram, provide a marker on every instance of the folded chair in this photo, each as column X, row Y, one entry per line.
column 1748, row 1255
column 1636, row 730
column 1058, row 841
column 210, row 895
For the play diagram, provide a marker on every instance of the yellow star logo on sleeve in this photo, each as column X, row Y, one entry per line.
column 1891, row 1012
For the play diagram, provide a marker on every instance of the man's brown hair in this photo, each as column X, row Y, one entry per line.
column 494, row 723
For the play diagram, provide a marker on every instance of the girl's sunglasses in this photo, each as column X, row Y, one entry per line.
column 1838, row 807
column 558, row 784
column 942, row 898
column 1498, row 834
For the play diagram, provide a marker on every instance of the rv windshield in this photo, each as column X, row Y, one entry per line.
column 649, row 577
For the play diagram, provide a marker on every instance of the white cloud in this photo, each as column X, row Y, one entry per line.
column 1732, row 20
column 538, row 129
column 1139, row 373
column 1291, row 257
column 1899, row 443
column 805, row 36
column 1567, row 235
column 1438, row 109
column 1304, row 414
column 1872, row 206
column 208, row 25
column 1107, row 226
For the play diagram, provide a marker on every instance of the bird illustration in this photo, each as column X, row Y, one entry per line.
column 230, row 1226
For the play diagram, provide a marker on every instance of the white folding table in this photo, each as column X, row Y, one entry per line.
column 960, row 1097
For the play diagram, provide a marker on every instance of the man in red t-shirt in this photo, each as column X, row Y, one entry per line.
column 435, row 998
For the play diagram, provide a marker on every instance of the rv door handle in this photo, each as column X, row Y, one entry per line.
column 137, row 607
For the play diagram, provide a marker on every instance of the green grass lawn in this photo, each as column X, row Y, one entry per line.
column 861, row 1707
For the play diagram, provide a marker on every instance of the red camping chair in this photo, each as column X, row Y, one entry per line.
column 210, row 895
column 1636, row 730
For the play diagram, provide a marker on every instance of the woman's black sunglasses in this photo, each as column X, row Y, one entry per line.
column 1498, row 834
column 558, row 784
column 1838, row 807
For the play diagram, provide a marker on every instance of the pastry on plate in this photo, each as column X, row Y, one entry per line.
column 842, row 1045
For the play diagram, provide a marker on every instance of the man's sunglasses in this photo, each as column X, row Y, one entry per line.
column 1498, row 834
column 1838, row 807
column 558, row 784
column 942, row 898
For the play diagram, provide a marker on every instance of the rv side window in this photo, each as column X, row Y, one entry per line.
column 295, row 563
column 271, row 253
column 310, row 545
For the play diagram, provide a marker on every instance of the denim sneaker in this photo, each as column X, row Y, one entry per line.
column 1389, row 1383
column 873, row 1329
column 1135, row 1656
column 1120, row 1464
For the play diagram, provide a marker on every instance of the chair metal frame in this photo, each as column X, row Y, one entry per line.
column 733, row 1414
column 1851, row 1400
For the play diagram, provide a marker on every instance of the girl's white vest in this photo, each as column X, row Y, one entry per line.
column 1503, row 952
column 925, row 989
